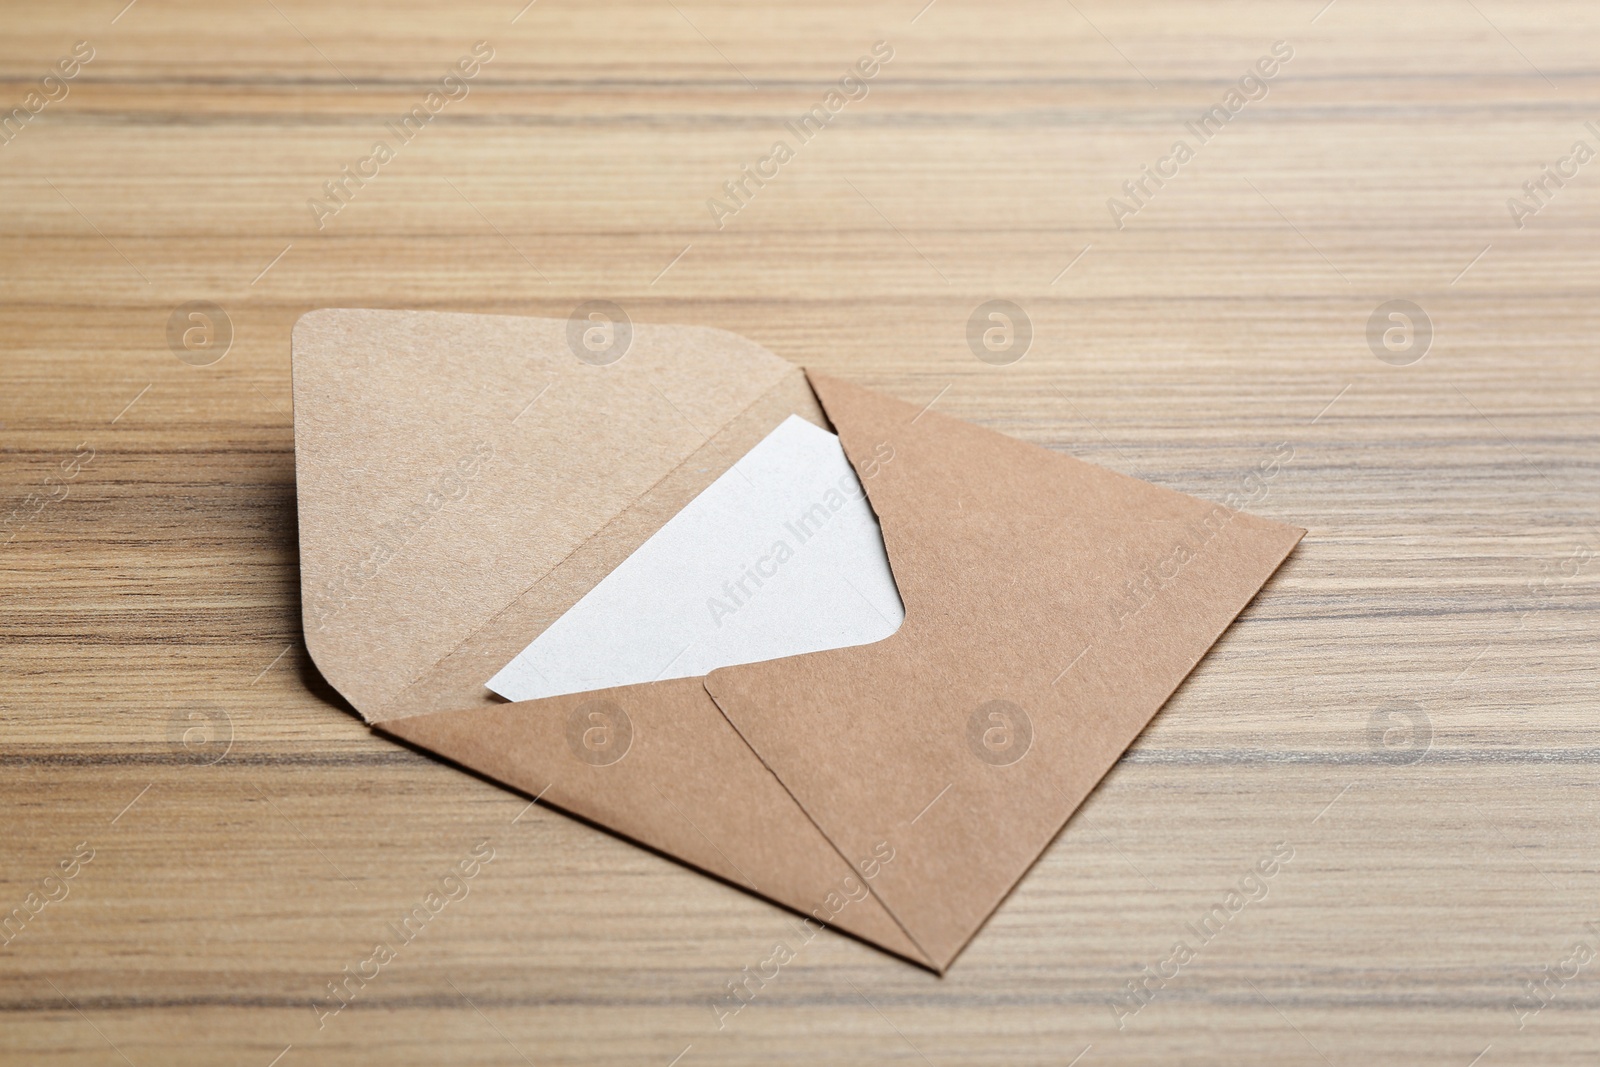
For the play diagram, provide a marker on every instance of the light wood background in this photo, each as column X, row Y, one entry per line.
column 251, row 838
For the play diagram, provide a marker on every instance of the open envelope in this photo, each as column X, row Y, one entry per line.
column 463, row 480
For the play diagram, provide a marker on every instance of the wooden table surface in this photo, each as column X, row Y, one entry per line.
column 1409, row 708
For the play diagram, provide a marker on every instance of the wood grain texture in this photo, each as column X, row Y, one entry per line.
column 1410, row 706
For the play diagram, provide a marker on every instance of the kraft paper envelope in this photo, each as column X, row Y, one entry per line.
column 465, row 479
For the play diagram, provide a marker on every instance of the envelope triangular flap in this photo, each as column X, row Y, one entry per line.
column 682, row 781
column 447, row 464
column 463, row 480
column 1052, row 606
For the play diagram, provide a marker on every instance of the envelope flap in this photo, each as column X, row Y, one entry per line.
column 1052, row 606
column 658, row 763
column 445, row 463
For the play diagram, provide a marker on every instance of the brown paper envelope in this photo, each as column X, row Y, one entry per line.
column 465, row 479
column 448, row 465
column 1052, row 607
column 446, row 520
column 683, row 782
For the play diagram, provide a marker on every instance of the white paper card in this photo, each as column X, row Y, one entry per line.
column 779, row 556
